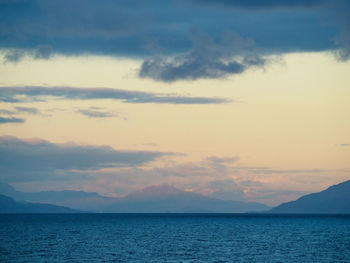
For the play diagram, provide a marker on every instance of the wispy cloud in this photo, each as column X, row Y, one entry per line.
column 96, row 112
column 7, row 112
column 30, row 93
column 222, row 160
column 28, row 110
column 11, row 120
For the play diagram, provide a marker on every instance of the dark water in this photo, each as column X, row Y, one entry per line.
column 173, row 238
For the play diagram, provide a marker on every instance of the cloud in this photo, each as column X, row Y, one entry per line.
column 16, row 94
column 344, row 144
column 7, row 112
column 16, row 55
column 18, row 110
column 286, row 171
column 207, row 59
column 26, row 160
column 131, row 27
column 11, row 120
column 100, row 113
column 43, row 52
column 160, row 32
column 340, row 13
column 222, row 160
column 91, row 113
column 227, row 189
column 250, row 183
column 29, row 110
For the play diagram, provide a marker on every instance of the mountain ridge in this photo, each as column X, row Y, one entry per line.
column 333, row 200
column 9, row 206
column 152, row 199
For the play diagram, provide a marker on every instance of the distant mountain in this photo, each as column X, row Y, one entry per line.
column 168, row 199
column 334, row 200
column 86, row 201
column 9, row 205
column 153, row 199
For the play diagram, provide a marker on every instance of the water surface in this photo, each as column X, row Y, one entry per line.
column 173, row 238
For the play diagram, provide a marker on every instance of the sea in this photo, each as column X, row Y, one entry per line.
column 174, row 238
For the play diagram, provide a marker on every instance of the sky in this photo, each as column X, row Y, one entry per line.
column 241, row 100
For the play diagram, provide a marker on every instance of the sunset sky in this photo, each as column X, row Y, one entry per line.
column 246, row 100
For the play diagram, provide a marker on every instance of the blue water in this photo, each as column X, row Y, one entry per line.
column 173, row 238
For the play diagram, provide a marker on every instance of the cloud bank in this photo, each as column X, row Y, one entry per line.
column 27, row 160
column 32, row 93
column 161, row 32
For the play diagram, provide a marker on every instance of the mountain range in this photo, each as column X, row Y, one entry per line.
column 153, row 199
column 167, row 199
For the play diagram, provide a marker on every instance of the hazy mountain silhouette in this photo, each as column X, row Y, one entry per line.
column 165, row 198
column 9, row 205
column 153, row 199
column 334, row 200
column 87, row 201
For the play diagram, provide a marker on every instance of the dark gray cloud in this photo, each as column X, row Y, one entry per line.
column 341, row 14
column 32, row 93
column 344, row 144
column 207, row 59
column 11, row 120
column 137, row 28
column 43, row 52
column 14, row 56
column 23, row 160
column 39, row 52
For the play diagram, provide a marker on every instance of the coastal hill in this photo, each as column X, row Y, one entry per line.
column 85, row 201
column 333, row 200
column 9, row 205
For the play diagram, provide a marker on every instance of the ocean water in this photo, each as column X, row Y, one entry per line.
column 173, row 238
